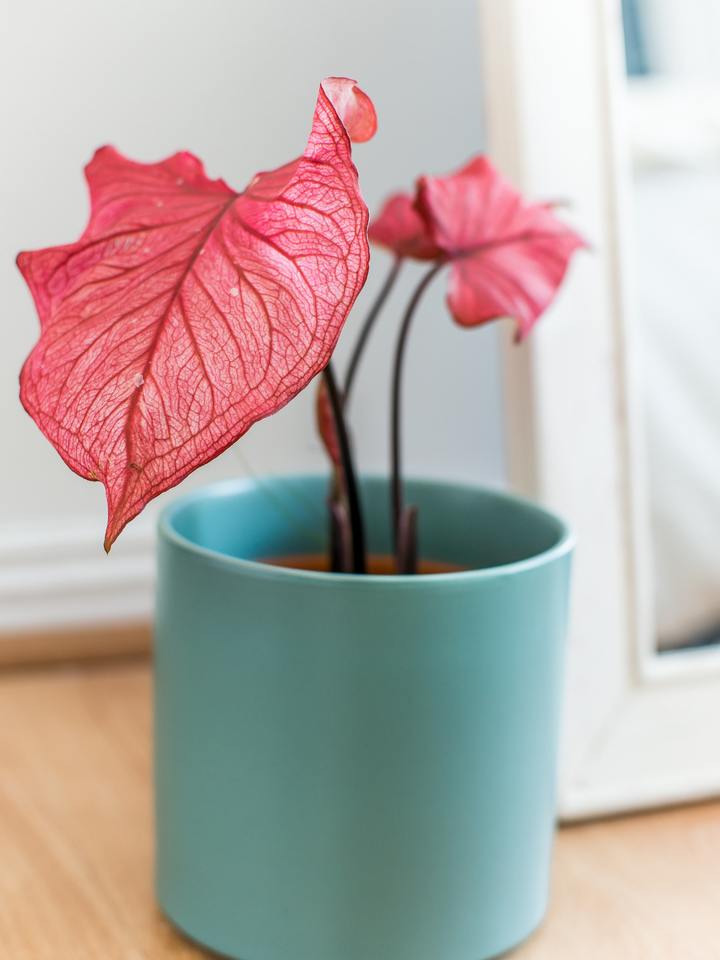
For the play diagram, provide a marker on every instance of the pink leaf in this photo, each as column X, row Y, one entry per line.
column 327, row 430
column 401, row 229
column 186, row 312
column 508, row 257
column 354, row 108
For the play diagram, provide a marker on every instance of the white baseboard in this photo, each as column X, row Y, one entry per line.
column 56, row 575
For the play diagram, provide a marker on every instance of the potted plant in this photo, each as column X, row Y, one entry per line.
column 350, row 765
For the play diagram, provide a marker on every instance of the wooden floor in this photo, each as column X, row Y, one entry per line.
column 76, row 843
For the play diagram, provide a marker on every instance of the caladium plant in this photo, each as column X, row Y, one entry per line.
column 187, row 311
column 506, row 257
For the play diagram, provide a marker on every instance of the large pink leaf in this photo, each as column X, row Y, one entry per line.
column 508, row 257
column 186, row 312
column 400, row 229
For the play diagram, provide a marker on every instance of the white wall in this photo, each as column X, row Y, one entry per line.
column 235, row 82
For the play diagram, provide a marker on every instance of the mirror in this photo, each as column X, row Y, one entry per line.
column 673, row 63
column 639, row 724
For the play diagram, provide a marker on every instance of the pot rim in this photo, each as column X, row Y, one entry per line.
column 565, row 544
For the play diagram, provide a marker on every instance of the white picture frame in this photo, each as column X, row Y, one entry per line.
column 640, row 729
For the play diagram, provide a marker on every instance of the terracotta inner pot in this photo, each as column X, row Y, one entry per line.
column 378, row 564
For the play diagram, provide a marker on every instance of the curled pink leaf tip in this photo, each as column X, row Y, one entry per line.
column 354, row 108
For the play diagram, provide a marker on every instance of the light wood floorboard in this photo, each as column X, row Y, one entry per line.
column 76, row 843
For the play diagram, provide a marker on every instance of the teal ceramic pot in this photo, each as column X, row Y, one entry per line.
column 357, row 768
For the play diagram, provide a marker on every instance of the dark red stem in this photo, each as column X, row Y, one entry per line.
column 397, row 489
column 368, row 325
column 351, row 488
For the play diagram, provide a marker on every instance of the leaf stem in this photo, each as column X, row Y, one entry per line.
column 351, row 489
column 368, row 325
column 397, row 490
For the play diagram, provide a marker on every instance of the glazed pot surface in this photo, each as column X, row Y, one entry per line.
column 357, row 768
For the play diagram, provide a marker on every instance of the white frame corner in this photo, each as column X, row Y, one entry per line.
column 641, row 729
